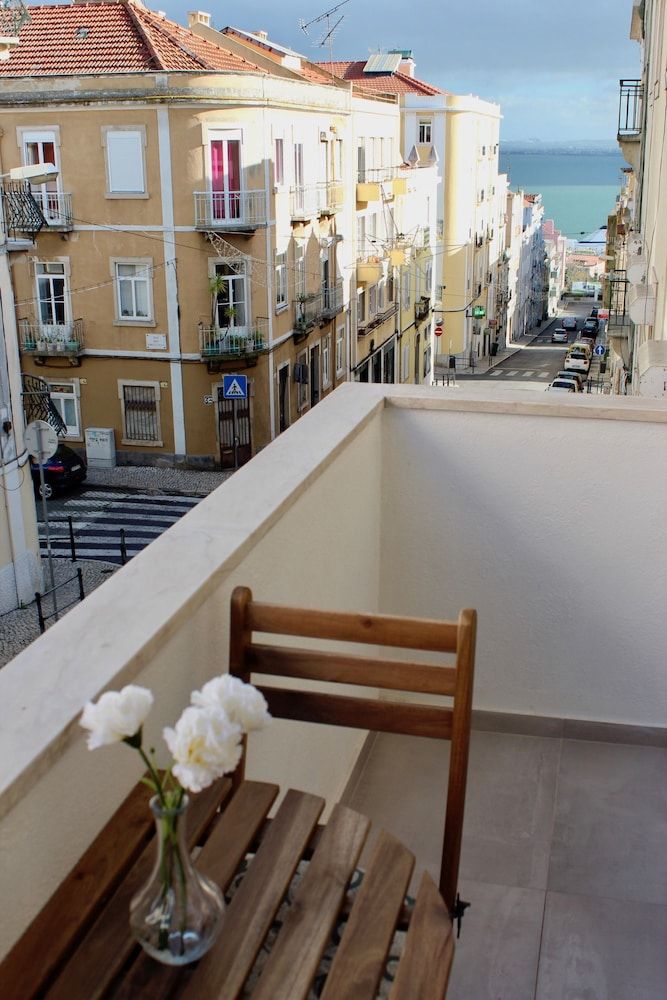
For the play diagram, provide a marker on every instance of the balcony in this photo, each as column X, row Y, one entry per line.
column 422, row 308
column 564, row 824
column 377, row 319
column 330, row 197
column 618, row 322
column 230, row 211
column 630, row 120
column 22, row 216
column 376, row 183
column 305, row 202
column 238, row 344
column 56, row 207
column 317, row 308
column 52, row 340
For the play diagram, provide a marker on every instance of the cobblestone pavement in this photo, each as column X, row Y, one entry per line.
column 20, row 627
column 188, row 481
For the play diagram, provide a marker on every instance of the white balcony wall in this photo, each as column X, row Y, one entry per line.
column 546, row 515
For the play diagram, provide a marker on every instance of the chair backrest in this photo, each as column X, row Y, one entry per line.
column 248, row 656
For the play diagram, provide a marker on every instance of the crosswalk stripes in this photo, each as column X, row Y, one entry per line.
column 97, row 520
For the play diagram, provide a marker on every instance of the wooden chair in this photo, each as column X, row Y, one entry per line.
column 248, row 656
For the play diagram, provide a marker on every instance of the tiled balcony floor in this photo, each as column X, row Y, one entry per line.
column 564, row 860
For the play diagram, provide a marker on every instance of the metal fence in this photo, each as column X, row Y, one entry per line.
column 141, row 414
column 630, row 108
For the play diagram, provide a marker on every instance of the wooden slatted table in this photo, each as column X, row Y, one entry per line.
column 79, row 946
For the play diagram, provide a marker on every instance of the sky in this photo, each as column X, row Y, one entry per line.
column 553, row 66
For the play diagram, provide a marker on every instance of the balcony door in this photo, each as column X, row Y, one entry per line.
column 299, row 192
column 52, row 294
column 231, row 302
column 40, row 148
column 225, row 175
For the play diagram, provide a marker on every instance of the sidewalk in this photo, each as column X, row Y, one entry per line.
column 483, row 365
column 155, row 479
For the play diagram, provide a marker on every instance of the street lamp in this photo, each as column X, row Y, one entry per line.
column 35, row 173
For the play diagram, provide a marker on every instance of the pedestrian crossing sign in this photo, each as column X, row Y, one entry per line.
column 235, row 386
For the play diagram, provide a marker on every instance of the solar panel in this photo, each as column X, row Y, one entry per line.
column 383, row 62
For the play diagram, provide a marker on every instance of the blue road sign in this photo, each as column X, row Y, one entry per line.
column 235, row 386
column 599, row 349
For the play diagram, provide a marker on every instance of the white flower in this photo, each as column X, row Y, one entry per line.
column 116, row 716
column 243, row 703
column 205, row 745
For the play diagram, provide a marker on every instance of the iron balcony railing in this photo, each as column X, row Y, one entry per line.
column 51, row 338
column 332, row 299
column 618, row 322
column 307, row 311
column 422, row 307
column 21, row 213
column 365, row 326
column 630, row 108
column 330, row 197
column 230, row 210
column 56, row 207
column 304, row 201
column 376, row 175
column 234, row 342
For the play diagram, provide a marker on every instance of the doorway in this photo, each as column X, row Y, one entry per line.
column 235, row 431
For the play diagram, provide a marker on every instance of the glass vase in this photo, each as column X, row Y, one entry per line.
column 178, row 913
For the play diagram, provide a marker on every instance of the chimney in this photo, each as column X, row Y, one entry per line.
column 262, row 35
column 198, row 17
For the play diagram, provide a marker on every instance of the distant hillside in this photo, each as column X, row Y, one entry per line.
column 592, row 147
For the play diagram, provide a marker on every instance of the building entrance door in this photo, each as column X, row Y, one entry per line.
column 235, row 431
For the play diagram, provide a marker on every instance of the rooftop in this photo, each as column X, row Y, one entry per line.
column 379, row 82
column 111, row 37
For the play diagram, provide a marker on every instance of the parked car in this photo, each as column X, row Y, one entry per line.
column 63, row 470
column 559, row 336
column 561, row 385
column 588, row 341
column 591, row 326
column 578, row 360
column 594, row 311
column 569, row 322
column 578, row 378
column 572, row 378
column 580, row 345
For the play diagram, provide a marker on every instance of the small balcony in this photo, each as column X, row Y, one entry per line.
column 305, row 202
column 22, row 215
column 239, row 344
column 52, row 340
column 377, row 319
column 618, row 323
column 376, row 183
column 630, row 114
column 230, row 211
column 422, row 308
column 332, row 300
column 56, row 207
column 330, row 197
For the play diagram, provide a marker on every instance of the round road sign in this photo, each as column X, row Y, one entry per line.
column 41, row 440
column 599, row 349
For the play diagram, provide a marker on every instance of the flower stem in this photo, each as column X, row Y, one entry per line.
column 155, row 776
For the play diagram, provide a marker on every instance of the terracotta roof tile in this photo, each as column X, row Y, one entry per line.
column 310, row 71
column 112, row 37
column 379, row 83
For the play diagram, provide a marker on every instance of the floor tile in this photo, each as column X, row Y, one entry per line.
column 509, row 809
column 610, row 829
column 496, row 956
column 599, row 949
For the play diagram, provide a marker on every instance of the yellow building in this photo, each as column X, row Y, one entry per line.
column 210, row 229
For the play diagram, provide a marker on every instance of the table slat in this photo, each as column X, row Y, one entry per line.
column 224, row 970
column 108, row 946
column 296, row 954
column 56, row 930
column 220, row 857
column 423, row 972
column 362, row 954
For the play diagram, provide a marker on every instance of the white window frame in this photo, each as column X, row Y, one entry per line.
column 141, row 263
column 406, row 290
column 405, row 363
column 340, row 351
column 140, row 131
column 73, row 432
column 299, row 269
column 279, row 161
column 425, row 131
column 65, row 273
column 281, row 281
column 326, row 362
column 146, row 384
column 246, row 274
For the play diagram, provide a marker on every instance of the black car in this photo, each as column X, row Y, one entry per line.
column 63, row 470
column 591, row 326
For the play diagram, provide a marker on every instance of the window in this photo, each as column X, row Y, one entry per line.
column 405, row 294
column 133, row 290
column 279, row 162
column 229, row 281
column 281, row 280
column 340, row 351
column 301, row 376
column 405, row 364
column 140, row 406
column 425, row 128
column 361, row 306
column 52, row 293
column 381, row 293
column 372, row 301
column 65, row 398
column 427, row 361
column 299, row 270
column 326, row 368
column 125, row 162
column 428, row 279
column 42, row 147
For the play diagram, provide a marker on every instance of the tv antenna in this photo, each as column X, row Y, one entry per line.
column 328, row 36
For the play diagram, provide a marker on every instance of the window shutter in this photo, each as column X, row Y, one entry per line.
column 126, row 162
